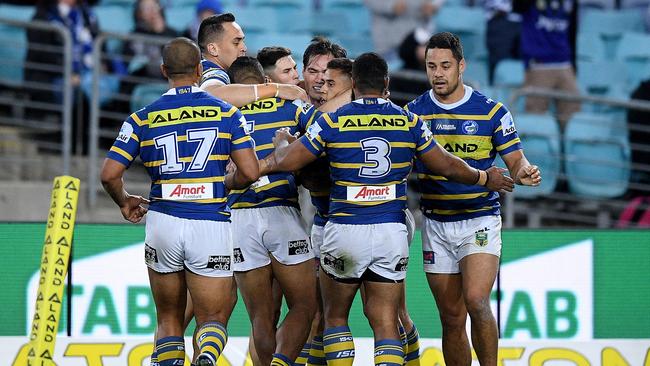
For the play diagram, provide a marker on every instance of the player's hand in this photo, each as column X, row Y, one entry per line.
column 283, row 137
column 292, row 92
column 230, row 167
column 529, row 175
column 498, row 181
column 132, row 208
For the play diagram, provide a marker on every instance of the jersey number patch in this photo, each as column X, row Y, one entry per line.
column 206, row 137
column 376, row 152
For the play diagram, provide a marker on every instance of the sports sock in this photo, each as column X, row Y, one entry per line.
column 303, row 356
column 389, row 352
column 170, row 351
column 212, row 338
column 412, row 356
column 338, row 346
column 280, row 360
column 316, row 352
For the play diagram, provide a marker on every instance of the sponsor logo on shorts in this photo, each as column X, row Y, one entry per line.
column 402, row 265
column 185, row 192
column 220, row 262
column 483, row 230
column 238, row 255
column 150, row 255
column 264, row 180
column 481, row 239
column 429, row 257
column 333, row 262
column 297, row 247
column 371, row 193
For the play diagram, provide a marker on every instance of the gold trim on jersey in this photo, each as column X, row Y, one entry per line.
column 181, row 138
column 135, row 137
column 467, row 146
column 138, row 121
column 425, row 145
column 319, row 194
column 267, row 105
column 356, row 184
column 190, row 180
column 266, row 126
column 446, row 197
column 189, row 114
column 508, row 144
column 271, row 185
column 361, row 165
column 242, row 139
column 186, row 159
column 122, row 152
column 357, row 145
column 372, row 122
column 329, row 121
column 311, row 120
column 479, row 117
column 264, row 147
column 373, row 203
column 431, row 177
column 455, row 212
column 253, row 204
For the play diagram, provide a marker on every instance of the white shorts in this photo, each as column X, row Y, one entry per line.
column 317, row 239
column 173, row 244
column 261, row 232
column 410, row 225
column 349, row 250
column 444, row 244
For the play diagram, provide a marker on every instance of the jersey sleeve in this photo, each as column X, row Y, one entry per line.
column 214, row 76
column 422, row 135
column 239, row 137
column 505, row 138
column 308, row 115
column 316, row 136
column 127, row 144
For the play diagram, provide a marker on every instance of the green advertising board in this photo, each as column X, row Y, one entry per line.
column 576, row 285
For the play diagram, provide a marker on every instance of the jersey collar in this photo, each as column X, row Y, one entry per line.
column 379, row 100
column 172, row 91
column 468, row 94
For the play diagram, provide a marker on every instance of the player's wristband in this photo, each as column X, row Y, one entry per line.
column 257, row 97
column 482, row 178
column 277, row 90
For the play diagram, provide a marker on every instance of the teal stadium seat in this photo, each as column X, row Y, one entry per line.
column 468, row 23
column 597, row 154
column 356, row 14
column 12, row 55
column 180, row 16
column 605, row 79
column 256, row 20
column 295, row 42
column 144, row 94
column 610, row 25
column 17, row 12
column 114, row 18
column 330, row 23
column 476, row 73
column 509, row 75
column 297, row 4
column 355, row 44
column 590, row 48
column 634, row 51
column 541, row 139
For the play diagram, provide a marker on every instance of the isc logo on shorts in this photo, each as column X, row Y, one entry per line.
column 428, row 257
column 371, row 193
column 333, row 262
column 402, row 265
column 187, row 192
column 150, row 255
column 297, row 247
column 220, row 262
column 238, row 255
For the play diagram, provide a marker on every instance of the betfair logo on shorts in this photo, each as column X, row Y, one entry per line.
column 297, row 247
column 219, row 262
column 429, row 257
column 187, row 192
column 373, row 122
column 402, row 265
column 261, row 106
column 481, row 239
column 333, row 262
column 238, row 255
column 371, row 193
column 150, row 255
column 169, row 117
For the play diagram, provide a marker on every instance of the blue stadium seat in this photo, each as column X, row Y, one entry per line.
column 476, row 73
column 634, row 51
column 508, row 76
column 357, row 17
column 295, row 42
column 17, row 12
column 590, row 47
column 354, row 44
column 12, row 55
column 113, row 18
column 641, row 5
column 329, row 23
column 297, row 4
column 540, row 137
column 598, row 78
column 180, row 16
column 144, row 94
column 256, row 20
column 597, row 154
column 611, row 24
column 468, row 23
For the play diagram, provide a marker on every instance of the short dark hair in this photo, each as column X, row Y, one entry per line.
column 446, row 41
column 212, row 27
column 268, row 56
column 342, row 64
column 369, row 72
column 180, row 57
column 322, row 46
column 246, row 70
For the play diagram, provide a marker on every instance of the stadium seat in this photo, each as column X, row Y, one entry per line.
column 297, row 4
column 256, row 20
column 144, row 94
column 357, row 17
column 17, row 12
column 179, row 16
column 108, row 87
column 476, row 73
column 597, row 154
column 585, row 5
column 295, row 42
column 634, row 51
column 328, row 23
column 641, row 5
column 12, row 55
column 598, row 78
column 540, row 137
column 509, row 75
column 468, row 23
column 590, row 47
column 354, row 44
column 114, row 18
column 611, row 24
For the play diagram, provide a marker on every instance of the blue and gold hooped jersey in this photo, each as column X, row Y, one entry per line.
column 474, row 129
column 212, row 71
column 263, row 118
column 370, row 144
column 184, row 139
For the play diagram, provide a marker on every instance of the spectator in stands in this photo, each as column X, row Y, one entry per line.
column 393, row 20
column 204, row 9
column 413, row 47
column 548, row 34
column 502, row 33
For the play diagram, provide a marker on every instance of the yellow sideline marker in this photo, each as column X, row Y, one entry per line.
column 53, row 269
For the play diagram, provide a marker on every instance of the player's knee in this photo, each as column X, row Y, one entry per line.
column 453, row 320
column 477, row 305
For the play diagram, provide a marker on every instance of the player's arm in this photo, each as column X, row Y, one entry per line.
column 240, row 95
column 443, row 163
column 289, row 154
column 247, row 170
column 112, row 179
column 337, row 102
column 524, row 172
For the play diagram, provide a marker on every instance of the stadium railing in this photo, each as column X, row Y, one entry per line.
column 42, row 123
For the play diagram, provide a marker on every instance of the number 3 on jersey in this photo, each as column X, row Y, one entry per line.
column 206, row 137
column 376, row 152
